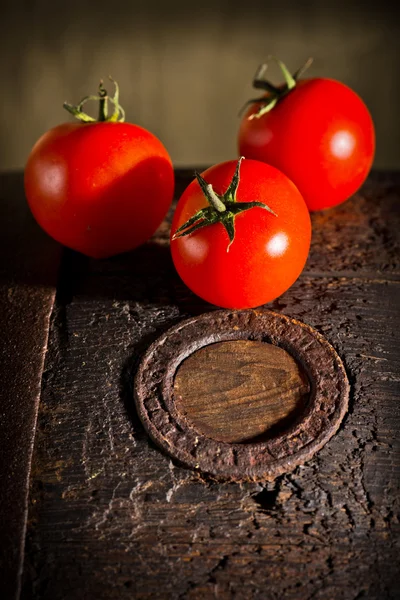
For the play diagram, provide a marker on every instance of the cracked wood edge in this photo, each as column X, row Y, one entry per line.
column 28, row 274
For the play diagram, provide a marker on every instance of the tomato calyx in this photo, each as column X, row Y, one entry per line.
column 275, row 94
column 223, row 208
column 117, row 116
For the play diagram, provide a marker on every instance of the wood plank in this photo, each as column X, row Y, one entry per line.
column 28, row 273
column 113, row 517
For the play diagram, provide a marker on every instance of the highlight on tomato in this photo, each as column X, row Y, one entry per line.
column 240, row 234
column 100, row 187
column 317, row 131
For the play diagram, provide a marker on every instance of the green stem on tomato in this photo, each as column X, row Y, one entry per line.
column 223, row 208
column 118, row 114
column 274, row 94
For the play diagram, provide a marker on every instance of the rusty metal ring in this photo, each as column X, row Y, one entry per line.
column 262, row 460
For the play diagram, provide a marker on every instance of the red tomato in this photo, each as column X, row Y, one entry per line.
column 320, row 135
column 269, row 250
column 101, row 187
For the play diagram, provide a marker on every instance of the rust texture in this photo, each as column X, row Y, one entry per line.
column 262, row 460
column 113, row 517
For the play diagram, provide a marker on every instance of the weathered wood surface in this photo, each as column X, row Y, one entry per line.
column 28, row 273
column 236, row 391
column 112, row 517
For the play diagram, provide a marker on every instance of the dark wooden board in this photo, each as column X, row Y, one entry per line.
column 112, row 517
column 28, row 274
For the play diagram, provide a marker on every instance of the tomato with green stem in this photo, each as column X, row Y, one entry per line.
column 241, row 234
column 317, row 131
column 100, row 187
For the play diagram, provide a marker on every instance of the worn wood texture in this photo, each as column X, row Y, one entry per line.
column 112, row 517
column 236, row 391
column 28, row 274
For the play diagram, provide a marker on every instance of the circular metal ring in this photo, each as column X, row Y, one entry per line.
column 261, row 460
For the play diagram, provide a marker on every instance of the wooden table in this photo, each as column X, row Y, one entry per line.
column 108, row 514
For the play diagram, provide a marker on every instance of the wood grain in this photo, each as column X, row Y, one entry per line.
column 28, row 276
column 236, row 391
column 112, row 517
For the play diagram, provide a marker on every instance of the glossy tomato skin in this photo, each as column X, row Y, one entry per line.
column 99, row 188
column 268, row 252
column 321, row 135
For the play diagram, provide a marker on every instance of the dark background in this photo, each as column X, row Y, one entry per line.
column 185, row 68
